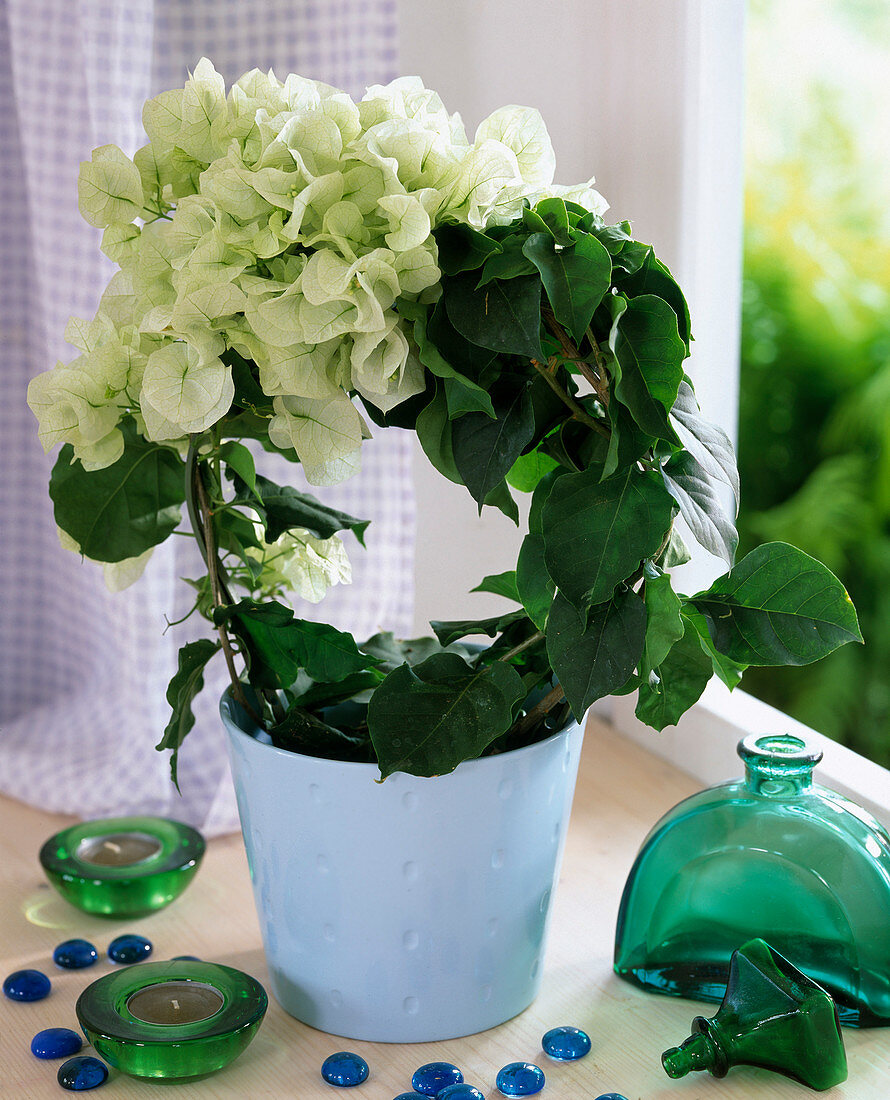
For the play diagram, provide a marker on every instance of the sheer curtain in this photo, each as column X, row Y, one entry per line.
column 83, row 672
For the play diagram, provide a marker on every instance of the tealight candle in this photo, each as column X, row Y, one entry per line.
column 117, row 849
column 171, row 1003
column 122, row 866
column 171, row 1019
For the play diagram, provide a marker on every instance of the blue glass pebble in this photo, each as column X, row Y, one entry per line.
column 75, row 954
column 129, row 948
column 520, row 1079
column 185, row 958
column 611, row 1096
column 431, row 1078
column 459, row 1092
column 566, row 1044
column 56, row 1042
column 27, row 985
column 82, row 1073
column 408, row 1096
column 344, row 1069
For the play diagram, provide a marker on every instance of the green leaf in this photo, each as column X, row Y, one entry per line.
column 427, row 719
column 675, row 553
column 309, row 735
column 237, row 457
column 126, row 508
column 706, row 442
column 503, row 316
column 533, row 582
column 462, row 248
column 729, row 671
column 552, row 215
column 448, row 632
column 235, row 532
column 249, row 393
column 509, row 263
column 485, row 449
column 528, row 469
column 627, row 254
column 596, row 533
column 679, row 681
column 500, row 584
column 778, row 606
column 689, row 484
column 664, row 625
column 501, row 498
column 283, row 507
column 594, row 661
column 187, row 682
column 434, row 431
column 575, row 278
column 278, row 645
column 462, row 393
column 650, row 353
column 654, row 277
column 389, row 652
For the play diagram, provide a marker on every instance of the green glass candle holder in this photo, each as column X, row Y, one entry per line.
column 122, row 866
column 772, row 1016
column 172, row 1019
column 771, row 855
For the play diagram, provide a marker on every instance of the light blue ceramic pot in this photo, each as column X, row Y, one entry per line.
column 410, row 910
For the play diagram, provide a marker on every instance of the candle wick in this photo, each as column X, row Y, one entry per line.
column 175, row 1003
column 114, row 847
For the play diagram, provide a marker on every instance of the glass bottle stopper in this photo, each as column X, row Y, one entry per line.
column 772, row 1016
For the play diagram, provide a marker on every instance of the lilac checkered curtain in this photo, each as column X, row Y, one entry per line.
column 83, row 672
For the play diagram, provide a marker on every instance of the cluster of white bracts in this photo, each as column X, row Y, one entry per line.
column 204, row 220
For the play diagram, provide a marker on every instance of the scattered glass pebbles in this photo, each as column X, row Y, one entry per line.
column 432, row 1078
column 566, row 1044
column 27, row 985
column 520, row 1079
column 56, row 1042
column 75, row 954
column 82, row 1073
column 129, row 948
column 344, row 1069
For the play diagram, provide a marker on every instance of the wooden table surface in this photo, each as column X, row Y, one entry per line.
column 621, row 791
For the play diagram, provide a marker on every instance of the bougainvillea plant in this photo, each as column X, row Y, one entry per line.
column 296, row 267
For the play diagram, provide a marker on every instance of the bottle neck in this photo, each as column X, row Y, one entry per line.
column 778, row 766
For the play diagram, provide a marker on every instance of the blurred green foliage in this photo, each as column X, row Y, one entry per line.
column 814, row 437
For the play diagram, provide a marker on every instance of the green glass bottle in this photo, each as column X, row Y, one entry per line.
column 772, row 1016
column 772, row 855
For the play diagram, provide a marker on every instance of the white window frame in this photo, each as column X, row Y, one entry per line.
column 648, row 94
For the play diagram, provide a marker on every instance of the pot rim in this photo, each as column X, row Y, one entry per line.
column 229, row 709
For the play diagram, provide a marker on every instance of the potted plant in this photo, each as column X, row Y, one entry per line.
column 294, row 268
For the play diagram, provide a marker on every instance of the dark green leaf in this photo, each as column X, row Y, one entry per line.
column 389, row 652
column 187, row 682
column 729, row 671
column 778, row 606
column 664, row 625
column 655, row 278
column 693, row 490
column 504, row 317
column 650, row 353
column 550, row 215
column 533, row 582
column 675, row 553
column 500, row 584
column 279, row 646
column 575, row 278
column 596, row 533
column 236, row 533
column 427, row 719
column 594, row 661
column 310, row 735
column 706, row 442
column 283, row 507
column 314, row 695
column 463, row 355
column 125, row 509
column 627, row 254
column 448, row 632
column 509, row 263
column 434, row 431
column 462, row 248
column 485, row 449
column 680, row 679
column 237, row 457
column 462, row 393
column 249, row 394
column 501, row 498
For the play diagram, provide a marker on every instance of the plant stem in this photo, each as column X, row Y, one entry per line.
column 539, row 710
column 580, row 414
column 201, row 519
column 597, row 378
column 531, row 640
